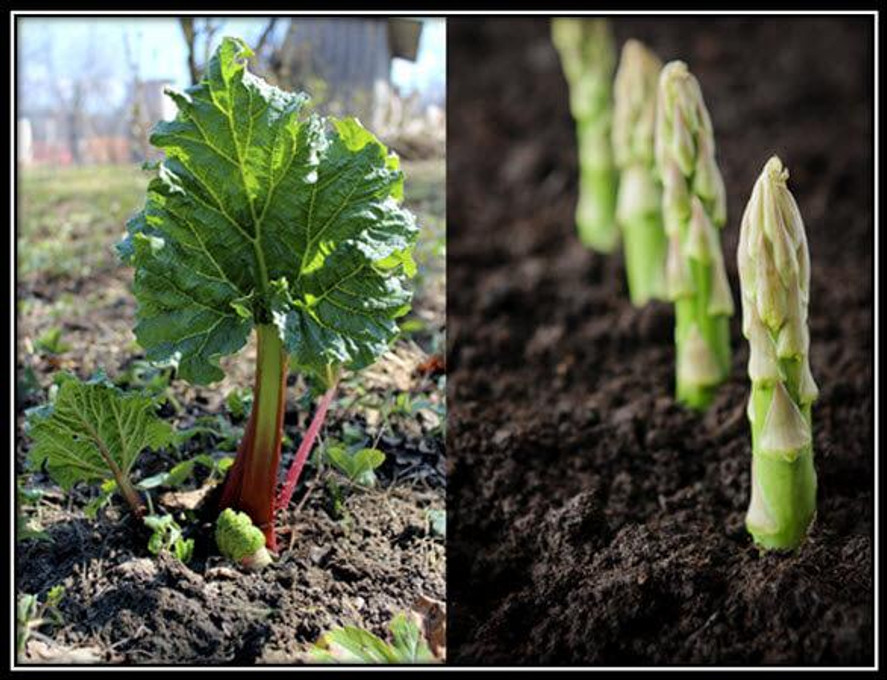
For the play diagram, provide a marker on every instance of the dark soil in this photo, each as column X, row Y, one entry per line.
column 347, row 556
column 593, row 520
column 358, row 569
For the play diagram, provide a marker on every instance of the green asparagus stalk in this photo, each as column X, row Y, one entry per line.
column 693, row 211
column 588, row 57
column 638, row 207
column 774, row 275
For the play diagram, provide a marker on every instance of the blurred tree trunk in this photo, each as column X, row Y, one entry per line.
column 138, row 127
column 197, row 30
column 74, row 120
column 187, row 24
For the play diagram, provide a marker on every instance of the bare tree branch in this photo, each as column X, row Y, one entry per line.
column 263, row 39
column 187, row 24
column 209, row 31
column 138, row 125
column 199, row 32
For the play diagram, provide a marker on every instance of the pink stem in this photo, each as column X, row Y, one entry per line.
column 295, row 471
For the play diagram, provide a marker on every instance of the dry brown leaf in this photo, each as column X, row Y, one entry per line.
column 431, row 617
column 40, row 652
column 186, row 500
column 395, row 369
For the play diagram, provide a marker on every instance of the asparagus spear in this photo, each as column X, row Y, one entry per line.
column 774, row 275
column 588, row 58
column 693, row 210
column 638, row 207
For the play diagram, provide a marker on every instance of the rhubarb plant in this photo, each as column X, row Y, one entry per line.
column 588, row 57
column 639, row 203
column 94, row 433
column 774, row 274
column 263, row 217
column 694, row 210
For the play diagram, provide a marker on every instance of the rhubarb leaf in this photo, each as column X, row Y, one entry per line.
column 260, row 214
column 92, row 427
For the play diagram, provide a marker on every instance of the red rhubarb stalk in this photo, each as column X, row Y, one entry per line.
column 295, row 471
column 252, row 480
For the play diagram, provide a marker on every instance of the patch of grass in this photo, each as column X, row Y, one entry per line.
column 425, row 192
column 70, row 218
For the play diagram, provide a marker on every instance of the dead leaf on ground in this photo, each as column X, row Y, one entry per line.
column 434, row 365
column 186, row 500
column 431, row 617
column 40, row 652
column 395, row 369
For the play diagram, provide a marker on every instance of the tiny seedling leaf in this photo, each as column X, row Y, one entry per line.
column 107, row 489
column 26, row 529
column 167, row 536
column 239, row 403
column 437, row 522
column 359, row 466
column 51, row 343
column 355, row 645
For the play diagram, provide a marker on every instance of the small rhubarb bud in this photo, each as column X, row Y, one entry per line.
column 241, row 541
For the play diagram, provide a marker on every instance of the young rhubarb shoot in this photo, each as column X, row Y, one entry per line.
column 238, row 539
column 774, row 274
column 264, row 217
column 588, row 58
column 693, row 210
column 639, row 207
column 94, row 433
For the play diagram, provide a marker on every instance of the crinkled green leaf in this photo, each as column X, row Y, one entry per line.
column 89, row 427
column 55, row 595
column 260, row 214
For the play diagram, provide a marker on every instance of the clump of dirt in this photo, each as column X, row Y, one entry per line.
column 592, row 519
